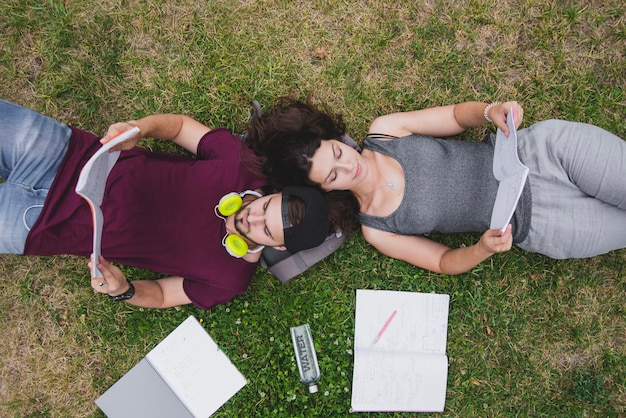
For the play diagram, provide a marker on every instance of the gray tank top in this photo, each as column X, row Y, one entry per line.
column 449, row 187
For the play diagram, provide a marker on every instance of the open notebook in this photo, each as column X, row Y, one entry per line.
column 400, row 361
column 91, row 183
column 185, row 376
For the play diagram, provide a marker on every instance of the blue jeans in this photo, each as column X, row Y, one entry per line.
column 32, row 146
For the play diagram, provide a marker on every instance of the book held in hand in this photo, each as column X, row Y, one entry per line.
column 510, row 172
column 91, row 183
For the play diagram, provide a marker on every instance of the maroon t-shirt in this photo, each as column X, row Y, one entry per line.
column 158, row 213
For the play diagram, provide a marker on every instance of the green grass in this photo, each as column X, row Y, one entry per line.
column 528, row 336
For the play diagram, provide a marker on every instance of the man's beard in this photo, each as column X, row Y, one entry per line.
column 239, row 223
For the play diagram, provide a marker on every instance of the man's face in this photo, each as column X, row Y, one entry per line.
column 259, row 221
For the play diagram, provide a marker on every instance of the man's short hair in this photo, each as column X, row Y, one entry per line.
column 306, row 228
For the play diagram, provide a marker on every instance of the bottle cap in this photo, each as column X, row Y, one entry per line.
column 312, row 388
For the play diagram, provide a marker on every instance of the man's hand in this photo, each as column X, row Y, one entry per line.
column 117, row 129
column 113, row 283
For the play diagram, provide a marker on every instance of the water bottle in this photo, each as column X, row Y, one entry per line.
column 305, row 356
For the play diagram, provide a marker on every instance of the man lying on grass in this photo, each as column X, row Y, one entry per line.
column 161, row 210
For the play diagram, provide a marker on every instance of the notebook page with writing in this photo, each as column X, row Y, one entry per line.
column 196, row 369
column 399, row 351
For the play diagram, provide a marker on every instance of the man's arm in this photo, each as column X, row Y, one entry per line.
column 161, row 293
column 180, row 129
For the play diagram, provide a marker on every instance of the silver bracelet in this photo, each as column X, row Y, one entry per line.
column 486, row 111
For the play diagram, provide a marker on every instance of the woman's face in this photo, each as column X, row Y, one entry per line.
column 336, row 166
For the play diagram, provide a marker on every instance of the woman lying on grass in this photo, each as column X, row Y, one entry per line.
column 409, row 183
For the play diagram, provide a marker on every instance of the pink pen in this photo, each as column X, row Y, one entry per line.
column 384, row 328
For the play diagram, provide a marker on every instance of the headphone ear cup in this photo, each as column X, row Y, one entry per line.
column 236, row 246
column 229, row 204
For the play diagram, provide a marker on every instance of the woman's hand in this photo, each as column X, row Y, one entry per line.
column 493, row 242
column 114, row 282
column 500, row 112
column 117, row 129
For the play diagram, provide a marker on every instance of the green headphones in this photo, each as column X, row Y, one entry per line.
column 228, row 205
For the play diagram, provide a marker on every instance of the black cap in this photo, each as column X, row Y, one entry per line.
column 313, row 228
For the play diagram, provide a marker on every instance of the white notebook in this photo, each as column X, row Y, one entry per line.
column 510, row 172
column 91, row 183
column 400, row 361
column 186, row 375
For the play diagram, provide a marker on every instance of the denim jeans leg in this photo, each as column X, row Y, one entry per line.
column 32, row 147
column 19, row 209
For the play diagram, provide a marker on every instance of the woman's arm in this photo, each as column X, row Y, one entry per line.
column 445, row 121
column 425, row 253
column 180, row 129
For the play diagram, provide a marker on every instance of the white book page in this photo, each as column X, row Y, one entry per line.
column 399, row 351
column 420, row 323
column 399, row 381
column 91, row 183
column 201, row 375
column 510, row 172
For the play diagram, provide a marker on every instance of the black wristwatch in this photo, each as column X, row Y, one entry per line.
column 124, row 296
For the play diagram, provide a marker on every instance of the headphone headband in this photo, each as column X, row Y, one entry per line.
column 228, row 205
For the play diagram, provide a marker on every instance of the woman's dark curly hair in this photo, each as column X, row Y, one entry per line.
column 285, row 139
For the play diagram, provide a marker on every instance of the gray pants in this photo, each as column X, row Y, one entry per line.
column 578, row 186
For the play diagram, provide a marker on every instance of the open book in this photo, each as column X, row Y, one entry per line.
column 510, row 172
column 90, row 186
column 400, row 361
column 184, row 376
